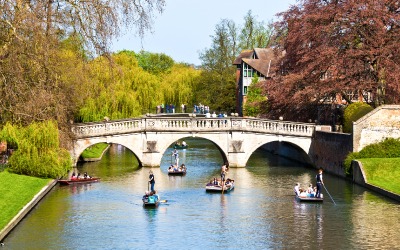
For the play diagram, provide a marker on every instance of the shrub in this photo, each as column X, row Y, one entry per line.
column 352, row 113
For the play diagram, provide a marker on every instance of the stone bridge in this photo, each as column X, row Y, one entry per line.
column 149, row 137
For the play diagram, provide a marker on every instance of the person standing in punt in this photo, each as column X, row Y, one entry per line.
column 151, row 181
column 320, row 182
column 175, row 154
column 224, row 169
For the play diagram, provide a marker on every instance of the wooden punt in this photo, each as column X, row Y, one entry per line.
column 78, row 181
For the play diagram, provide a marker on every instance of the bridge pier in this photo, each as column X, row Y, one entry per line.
column 237, row 159
column 151, row 159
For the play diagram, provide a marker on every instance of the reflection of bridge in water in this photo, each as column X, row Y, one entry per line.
column 149, row 137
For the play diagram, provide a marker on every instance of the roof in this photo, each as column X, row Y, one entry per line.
column 264, row 54
column 262, row 66
column 243, row 54
column 260, row 59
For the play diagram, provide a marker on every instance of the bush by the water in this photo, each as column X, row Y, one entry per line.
column 352, row 113
column 37, row 151
column 389, row 148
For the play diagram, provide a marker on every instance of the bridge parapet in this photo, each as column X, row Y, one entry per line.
column 280, row 127
column 192, row 124
column 83, row 130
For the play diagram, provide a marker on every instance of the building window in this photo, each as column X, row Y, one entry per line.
column 245, row 90
column 247, row 71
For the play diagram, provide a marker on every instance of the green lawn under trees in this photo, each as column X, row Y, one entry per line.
column 94, row 151
column 15, row 192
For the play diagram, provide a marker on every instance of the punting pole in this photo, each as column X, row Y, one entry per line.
column 329, row 194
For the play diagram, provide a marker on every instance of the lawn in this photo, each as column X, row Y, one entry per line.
column 15, row 192
column 94, row 151
column 383, row 173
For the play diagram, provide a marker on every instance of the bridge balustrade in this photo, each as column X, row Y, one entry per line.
column 192, row 124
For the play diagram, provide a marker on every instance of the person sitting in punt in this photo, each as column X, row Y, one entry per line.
column 86, row 176
column 183, row 143
column 73, row 176
column 303, row 192
column 79, row 176
column 310, row 191
column 215, row 182
column 183, row 167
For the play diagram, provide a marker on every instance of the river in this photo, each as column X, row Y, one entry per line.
column 260, row 213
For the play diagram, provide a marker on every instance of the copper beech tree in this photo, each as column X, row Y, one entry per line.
column 334, row 48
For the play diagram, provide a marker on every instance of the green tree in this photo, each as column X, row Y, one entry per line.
column 352, row 113
column 155, row 63
column 218, row 79
column 256, row 101
column 38, row 151
column 255, row 34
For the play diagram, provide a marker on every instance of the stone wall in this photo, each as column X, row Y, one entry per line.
column 383, row 122
column 329, row 150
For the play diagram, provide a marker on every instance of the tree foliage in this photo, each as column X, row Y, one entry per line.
column 44, row 48
column 254, row 33
column 38, row 150
column 218, row 88
column 334, row 47
column 256, row 100
column 352, row 113
column 129, row 89
column 218, row 72
column 155, row 63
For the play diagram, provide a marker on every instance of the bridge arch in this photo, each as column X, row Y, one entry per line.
column 81, row 145
column 300, row 144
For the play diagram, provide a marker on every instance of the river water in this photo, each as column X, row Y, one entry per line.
column 260, row 213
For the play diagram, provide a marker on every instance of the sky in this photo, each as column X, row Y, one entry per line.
column 185, row 27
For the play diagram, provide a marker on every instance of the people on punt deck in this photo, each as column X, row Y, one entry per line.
column 73, row 176
column 309, row 192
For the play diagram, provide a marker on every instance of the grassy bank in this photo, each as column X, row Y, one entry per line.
column 16, row 191
column 383, row 173
column 94, row 151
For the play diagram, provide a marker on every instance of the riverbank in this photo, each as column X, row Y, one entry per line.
column 20, row 194
column 378, row 174
column 95, row 152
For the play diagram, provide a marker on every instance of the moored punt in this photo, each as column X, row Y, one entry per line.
column 309, row 199
column 178, row 146
column 76, row 181
column 151, row 200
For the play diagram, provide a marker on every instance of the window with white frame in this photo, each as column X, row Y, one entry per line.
column 247, row 70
